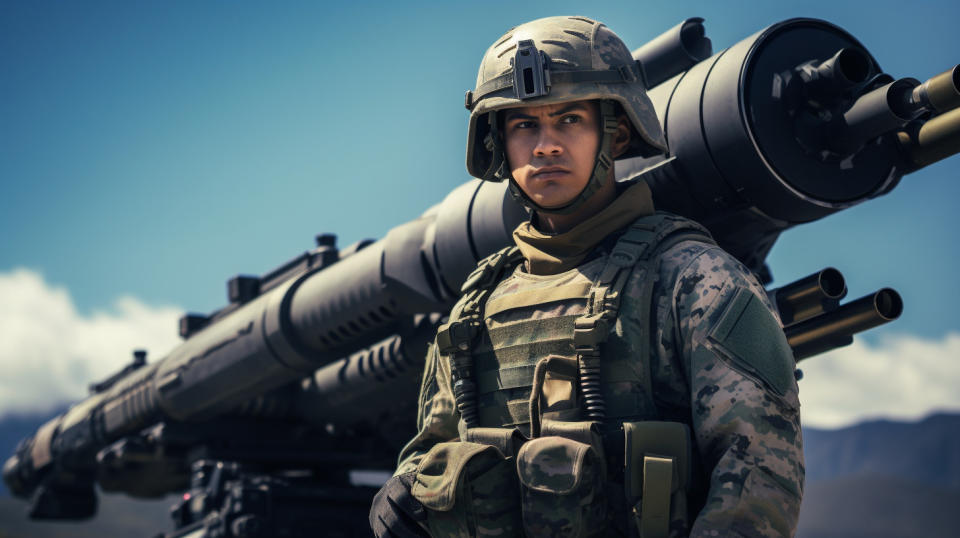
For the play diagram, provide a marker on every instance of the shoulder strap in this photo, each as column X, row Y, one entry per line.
column 456, row 337
column 491, row 269
column 640, row 246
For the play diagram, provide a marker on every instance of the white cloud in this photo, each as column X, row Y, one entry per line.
column 49, row 353
column 903, row 377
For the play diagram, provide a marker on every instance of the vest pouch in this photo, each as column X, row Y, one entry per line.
column 468, row 489
column 553, row 396
column 508, row 441
column 657, row 475
column 561, row 483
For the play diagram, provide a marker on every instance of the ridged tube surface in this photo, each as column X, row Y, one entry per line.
column 344, row 306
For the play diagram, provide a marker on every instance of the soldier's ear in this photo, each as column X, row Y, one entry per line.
column 623, row 136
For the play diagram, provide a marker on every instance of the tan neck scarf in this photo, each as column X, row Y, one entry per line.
column 552, row 254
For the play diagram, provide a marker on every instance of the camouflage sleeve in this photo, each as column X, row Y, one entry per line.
column 730, row 351
column 437, row 415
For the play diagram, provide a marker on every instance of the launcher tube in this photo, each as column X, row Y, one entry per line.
column 809, row 337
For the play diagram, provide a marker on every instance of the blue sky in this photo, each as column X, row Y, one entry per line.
column 155, row 149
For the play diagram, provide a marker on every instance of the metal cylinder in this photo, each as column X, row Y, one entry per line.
column 673, row 51
column 228, row 362
column 340, row 392
column 475, row 220
column 810, row 296
column 940, row 93
column 834, row 329
column 733, row 121
column 879, row 111
column 13, row 474
column 826, row 80
column 340, row 306
column 371, row 385
column 935, row 140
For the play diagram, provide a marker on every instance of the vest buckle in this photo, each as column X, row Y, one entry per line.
column 590, row 331
column 456, row 336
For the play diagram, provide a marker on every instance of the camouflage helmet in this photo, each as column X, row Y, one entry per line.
column 557, row 60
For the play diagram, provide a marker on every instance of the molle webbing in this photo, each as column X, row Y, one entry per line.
column 505, row 359
column 501, row 359
column 537, row 297
column 456, row 337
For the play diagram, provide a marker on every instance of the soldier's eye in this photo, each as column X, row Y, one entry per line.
column 570, row 118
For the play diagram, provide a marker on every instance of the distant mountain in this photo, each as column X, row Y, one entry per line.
column 925, row 452
column 878, row 507
column 883, row 479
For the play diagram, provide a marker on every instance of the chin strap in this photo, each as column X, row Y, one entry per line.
column 602, row 165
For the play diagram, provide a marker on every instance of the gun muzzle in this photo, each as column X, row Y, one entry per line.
column 810, row 296
column 13, row 475
column 827, row 80
column 939, row 137
column 934, row 141
column 836, row 329
column 65, row 498
column 940, row 93
column 882, row 110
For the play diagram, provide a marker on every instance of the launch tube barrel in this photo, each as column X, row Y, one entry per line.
column 810, row 296
column 340, row 392
column 13, row 471
column 940, row 93
column 371, row 382
column 673, row 51
column 879, row 111
column 828, row 79
column 836, row 328
column 935, row 140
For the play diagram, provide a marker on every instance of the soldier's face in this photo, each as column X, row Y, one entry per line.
column 551, row 149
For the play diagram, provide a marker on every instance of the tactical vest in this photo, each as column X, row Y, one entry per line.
column 543, row 370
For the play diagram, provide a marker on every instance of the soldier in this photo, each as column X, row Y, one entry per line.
column 614, row 373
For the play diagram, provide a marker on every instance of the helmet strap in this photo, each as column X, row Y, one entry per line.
column 498, row 170
column 602, row 165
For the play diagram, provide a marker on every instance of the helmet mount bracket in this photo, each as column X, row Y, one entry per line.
column 531, row 71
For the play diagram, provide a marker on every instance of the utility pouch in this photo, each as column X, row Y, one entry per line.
column 656, row 474
column 553, row 396
column 561, row 483
column 507, row 440
column 468, row 489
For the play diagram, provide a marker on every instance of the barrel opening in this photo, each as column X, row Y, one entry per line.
column 854, row 65
column 832, row 283
column 888, row 304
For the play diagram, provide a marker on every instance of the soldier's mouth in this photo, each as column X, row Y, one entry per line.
column 549, row 172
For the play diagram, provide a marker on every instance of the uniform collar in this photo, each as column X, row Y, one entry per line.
column 548, row 254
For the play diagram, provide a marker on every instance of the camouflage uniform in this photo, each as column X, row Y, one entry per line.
column 694, row 344
column 744, row 414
